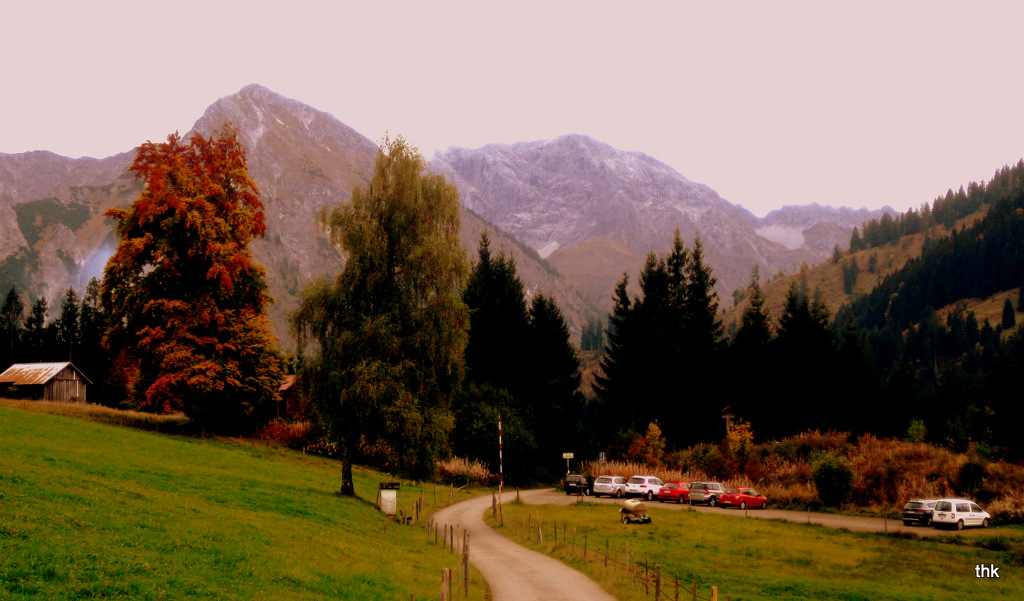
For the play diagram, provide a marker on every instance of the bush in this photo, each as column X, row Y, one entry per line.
column 833, row 478
column 291, row 434
column 971, row 478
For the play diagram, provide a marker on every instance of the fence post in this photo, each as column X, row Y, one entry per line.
column 677, row 588
column 714, row 593
column 446, row 584
column 647, row 586
column 584, row 546
column 465, row 564
column 694, row 591
column 657, row 583
column 606, row 552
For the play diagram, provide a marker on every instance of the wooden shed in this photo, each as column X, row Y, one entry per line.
column 289, row 391
column 61, row 382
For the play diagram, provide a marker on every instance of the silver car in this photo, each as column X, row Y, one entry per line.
column 706, row 492
column 613, row 486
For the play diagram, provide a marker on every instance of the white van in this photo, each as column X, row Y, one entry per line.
column 957, row 513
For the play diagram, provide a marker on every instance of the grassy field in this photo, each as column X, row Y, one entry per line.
column 762, row 559
column 90, row 510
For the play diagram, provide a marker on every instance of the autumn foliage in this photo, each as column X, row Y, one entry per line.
column 189, row 329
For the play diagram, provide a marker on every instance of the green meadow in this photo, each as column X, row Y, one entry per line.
column 769, row 559
column 90, row 510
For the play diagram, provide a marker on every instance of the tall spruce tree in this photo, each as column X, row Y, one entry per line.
column 497, row 365
column 37, row 336
column 68, row 327
column 12, row 315
column 556, row 403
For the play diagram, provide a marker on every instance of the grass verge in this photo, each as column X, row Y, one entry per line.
column 94, row 510
column 767, row 559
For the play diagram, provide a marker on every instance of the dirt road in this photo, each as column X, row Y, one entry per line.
column 513, row 572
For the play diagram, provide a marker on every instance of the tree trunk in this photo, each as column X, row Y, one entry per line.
column 348, row 488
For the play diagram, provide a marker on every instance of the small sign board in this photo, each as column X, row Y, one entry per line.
column 567, row 456
column 387, row 497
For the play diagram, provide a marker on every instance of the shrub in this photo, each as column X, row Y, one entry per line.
column 833, row 478
column 971, row 478
column 291, row 434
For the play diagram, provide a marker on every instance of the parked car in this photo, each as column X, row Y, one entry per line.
column 577, row 484
column 613, row 486
column 675, row 491
column 643, row 486
column 706, row 492
column 743, row 498
column 958, row 513
column 918, row 511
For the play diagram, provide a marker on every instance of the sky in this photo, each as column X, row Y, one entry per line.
column 858, row 104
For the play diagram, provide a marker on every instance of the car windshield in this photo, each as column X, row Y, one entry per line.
column 636, row 480
column 671, row 485
column 943, row 506
column 603, row 479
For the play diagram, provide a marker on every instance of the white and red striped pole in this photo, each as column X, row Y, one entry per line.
column 501, row 460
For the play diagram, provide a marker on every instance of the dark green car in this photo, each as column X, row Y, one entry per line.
column 577, row 484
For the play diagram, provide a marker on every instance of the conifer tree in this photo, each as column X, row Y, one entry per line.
column 556, row 403
column 1009, row 316
column 12, row 314
column 68, row 326
column 37, row 336
column 497, row 347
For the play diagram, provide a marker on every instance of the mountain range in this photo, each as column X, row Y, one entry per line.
column 574, row 213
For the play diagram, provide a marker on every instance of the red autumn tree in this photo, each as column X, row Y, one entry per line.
column 188, row 325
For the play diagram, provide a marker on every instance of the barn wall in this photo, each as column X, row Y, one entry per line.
column 65, row 386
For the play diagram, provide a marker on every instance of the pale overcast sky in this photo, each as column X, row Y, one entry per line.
column 769, row 103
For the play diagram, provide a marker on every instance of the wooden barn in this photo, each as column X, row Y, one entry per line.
column 60, row 382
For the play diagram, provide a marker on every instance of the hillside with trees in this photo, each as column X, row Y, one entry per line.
column 880, row 340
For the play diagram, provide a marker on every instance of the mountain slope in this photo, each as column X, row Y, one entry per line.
column 595, row 212
column 54, row 235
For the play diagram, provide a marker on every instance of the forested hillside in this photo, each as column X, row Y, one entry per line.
column 891, row 362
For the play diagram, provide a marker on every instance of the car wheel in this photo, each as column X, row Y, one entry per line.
column 743, row 505
column 764, row 505
column 567, row 493
column 907, row 523
column 984, row 523
column 712, row 502
column 650, row 497
column 618, row 494
column 927, row 521
column 960, row 525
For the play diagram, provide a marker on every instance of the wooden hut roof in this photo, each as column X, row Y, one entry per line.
column 29, row 374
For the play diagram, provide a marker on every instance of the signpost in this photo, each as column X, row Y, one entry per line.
column 567, row 457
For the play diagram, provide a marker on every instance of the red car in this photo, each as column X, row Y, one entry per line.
column 743, row 498
column 674, row 491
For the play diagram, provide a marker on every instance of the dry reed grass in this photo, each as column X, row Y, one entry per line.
column 102, row 413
